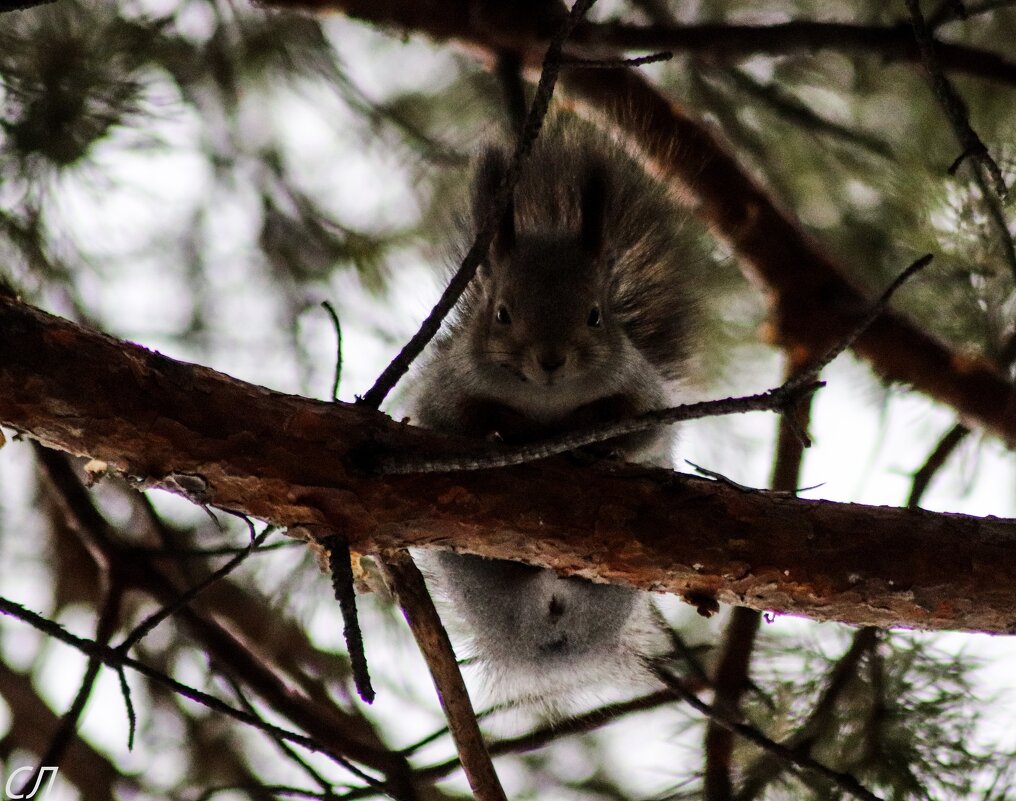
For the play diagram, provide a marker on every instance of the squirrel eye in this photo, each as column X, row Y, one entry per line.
column 502, row 315
column 594, row 318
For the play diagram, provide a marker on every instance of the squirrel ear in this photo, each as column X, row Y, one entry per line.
column 593, row 207
column 490, row 171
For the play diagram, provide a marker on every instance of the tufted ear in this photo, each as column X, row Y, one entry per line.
column 490, row 170
column 593, row 197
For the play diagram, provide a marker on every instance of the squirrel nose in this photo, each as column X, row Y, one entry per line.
column 551, row 361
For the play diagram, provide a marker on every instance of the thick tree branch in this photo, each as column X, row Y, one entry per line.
column 295, row 461
column 459, row 19
column 728, row 42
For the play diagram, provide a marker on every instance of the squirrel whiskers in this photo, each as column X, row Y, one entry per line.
column 581, row 314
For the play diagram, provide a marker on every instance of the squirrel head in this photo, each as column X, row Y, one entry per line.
column 544, row 314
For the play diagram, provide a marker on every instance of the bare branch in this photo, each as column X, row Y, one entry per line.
column 294, row 461
column 798, row 113
column 731, row 42
column 778, row 399
column 729, row 684
column 411, row 591
column 334, row 729
column 32, row 725
column 143, row 629
column 66, row 731
column 615, row 63
column 334, row 317
column 935, row 461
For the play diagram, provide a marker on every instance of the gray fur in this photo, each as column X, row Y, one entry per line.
column 581, row 313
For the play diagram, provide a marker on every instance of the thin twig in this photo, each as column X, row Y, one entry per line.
column 844, row 781
column 21, row 5
column 802, row 115
column 548, row 733
column 615, row 63
column 172, row 552
column 950, row 101
column 996, row 216
column 132, row 716
column 513, row 91
column 276, row 790
column 537, row 738
column 499, row 203
column 148, row 624
column 725, row 480
column 935, row 461
column 947, row 10
column 407, row 582
column 340, row 565
column 809, row 374
column 722, row 41
column 324, row 721
column 338, row 346
column 544, row 735
column 730, row 680
column 288, row 750
column 951, row 10
column 773, row 399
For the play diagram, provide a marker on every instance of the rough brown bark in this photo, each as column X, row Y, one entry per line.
column 297, row 461
column 814, row 304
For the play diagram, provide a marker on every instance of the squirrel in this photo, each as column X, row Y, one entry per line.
column 581, row 313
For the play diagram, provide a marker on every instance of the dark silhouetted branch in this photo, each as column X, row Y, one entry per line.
column 952, row 104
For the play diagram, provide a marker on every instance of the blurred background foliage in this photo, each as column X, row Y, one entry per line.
column 198, row 175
